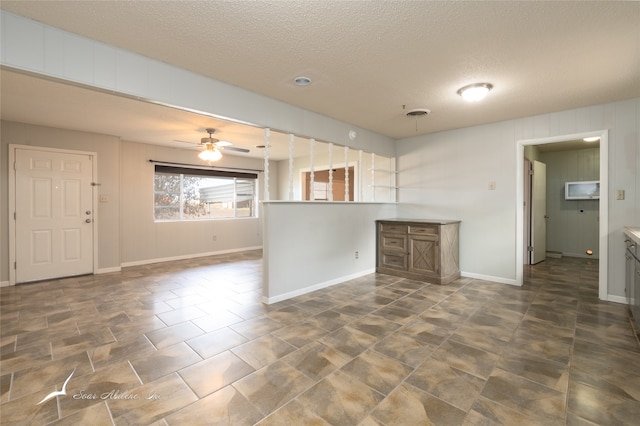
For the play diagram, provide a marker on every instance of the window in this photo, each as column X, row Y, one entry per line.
column 320, row 191
column 193, row 194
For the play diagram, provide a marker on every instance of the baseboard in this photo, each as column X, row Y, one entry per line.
column 617, row 299
column 489, row 278
column 108, row 270
column 186, row 256
column 5, row 283
column 579, row 255
column 319, row 286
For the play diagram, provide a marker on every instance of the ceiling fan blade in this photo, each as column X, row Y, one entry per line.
column 233, row 148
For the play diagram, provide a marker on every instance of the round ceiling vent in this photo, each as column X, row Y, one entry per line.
column 418, row 112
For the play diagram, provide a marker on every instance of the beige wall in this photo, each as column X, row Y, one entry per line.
column 143, row 239
column 127, row 233
column 107, row 149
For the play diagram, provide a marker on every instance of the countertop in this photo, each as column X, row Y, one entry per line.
column 436, row 221
column 633, row 232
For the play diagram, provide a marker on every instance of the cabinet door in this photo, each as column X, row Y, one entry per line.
column 424, row 254
column 629, row 283
column 636, row 294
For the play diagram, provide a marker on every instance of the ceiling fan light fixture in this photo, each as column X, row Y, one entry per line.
column 475, row 92
column 210, row 153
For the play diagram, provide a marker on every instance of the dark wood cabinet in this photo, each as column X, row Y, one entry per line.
column 425, row 250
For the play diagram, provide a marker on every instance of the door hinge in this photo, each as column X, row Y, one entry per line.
column 14, row 216
column 15, row 265
column 531, row 172
column 530, row 248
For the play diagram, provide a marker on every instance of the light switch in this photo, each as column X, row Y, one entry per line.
column 104, row 198
column 619, row 194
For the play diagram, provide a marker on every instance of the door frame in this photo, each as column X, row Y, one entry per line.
column 603, row 205
column 12, row 202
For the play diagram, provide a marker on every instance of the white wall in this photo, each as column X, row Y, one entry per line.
column 310, row 245
column 446, row 175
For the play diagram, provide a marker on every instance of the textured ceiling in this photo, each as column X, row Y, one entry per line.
column 368, row 59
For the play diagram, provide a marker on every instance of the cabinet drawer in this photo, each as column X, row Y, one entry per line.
column 424, row 229
column 393, row 227
column 393, row 242
column 393, row 260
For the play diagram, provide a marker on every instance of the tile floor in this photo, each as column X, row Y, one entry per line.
column 189, row 343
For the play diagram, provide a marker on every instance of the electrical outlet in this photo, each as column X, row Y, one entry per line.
column 492, row 185
column 357, row 255
column 619, row 194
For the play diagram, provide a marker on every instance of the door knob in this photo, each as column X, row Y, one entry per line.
column 88, row 220
column 88, row 212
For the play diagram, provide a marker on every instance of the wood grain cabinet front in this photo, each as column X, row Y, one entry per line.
column 423, row 250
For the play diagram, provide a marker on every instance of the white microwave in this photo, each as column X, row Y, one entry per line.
column 584, row 190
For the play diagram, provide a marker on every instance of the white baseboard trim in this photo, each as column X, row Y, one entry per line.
column 319, row 286
column 5, row 283
column 617, row 299
column 579, row 255
column 108, row 270
column 186, row 256
column 489, row 278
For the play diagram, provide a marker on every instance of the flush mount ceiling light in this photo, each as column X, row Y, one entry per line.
column 475, row 92
column 591, row 139
column 302, row 81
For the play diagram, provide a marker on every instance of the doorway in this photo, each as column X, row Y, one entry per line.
column 602, row 209
column 340, row 178
column 52, row 197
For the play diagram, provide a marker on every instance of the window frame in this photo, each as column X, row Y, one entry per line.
column 233, row 176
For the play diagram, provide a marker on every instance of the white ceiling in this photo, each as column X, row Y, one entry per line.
column 367, row 59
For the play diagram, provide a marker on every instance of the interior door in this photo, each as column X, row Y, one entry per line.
column 538, row 212
column 54, row 214
column 526, row 229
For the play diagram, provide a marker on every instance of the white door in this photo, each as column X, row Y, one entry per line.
column 526, row 229
column 54, row 214
column 539, row 212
